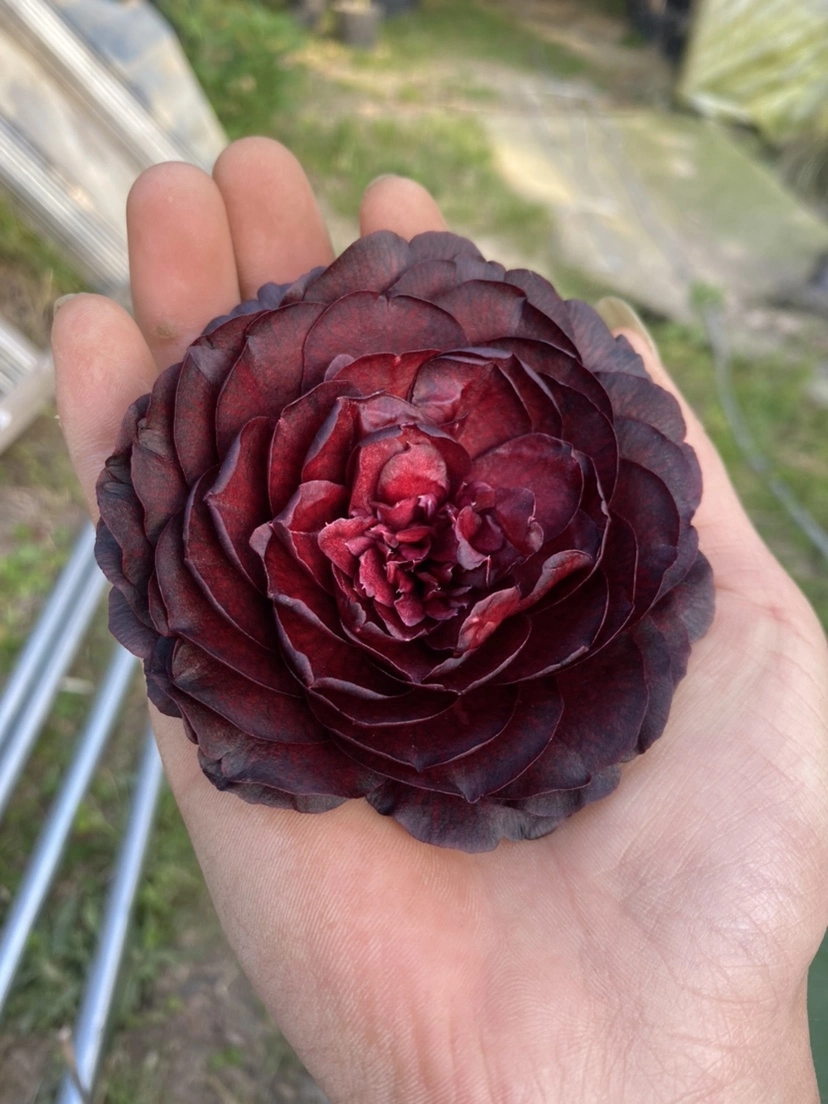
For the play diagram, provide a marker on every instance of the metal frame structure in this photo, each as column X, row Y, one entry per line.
column 98, row 250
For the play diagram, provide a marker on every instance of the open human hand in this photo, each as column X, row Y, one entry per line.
column 656, row 946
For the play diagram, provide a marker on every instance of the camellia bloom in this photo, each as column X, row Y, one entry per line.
column 412, row 529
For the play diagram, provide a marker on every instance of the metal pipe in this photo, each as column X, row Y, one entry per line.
column 31, row 659
column 28, row 722
column 93, row 1018
column 48, row 850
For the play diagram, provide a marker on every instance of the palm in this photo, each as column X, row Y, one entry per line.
column 425, row 968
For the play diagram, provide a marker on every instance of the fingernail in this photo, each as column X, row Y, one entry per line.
column 380, row 178
column 619, row 315
column 58, row 303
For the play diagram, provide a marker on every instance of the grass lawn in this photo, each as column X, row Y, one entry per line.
column 349, row 118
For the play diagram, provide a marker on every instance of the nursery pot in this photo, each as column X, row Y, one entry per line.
column 355, row 24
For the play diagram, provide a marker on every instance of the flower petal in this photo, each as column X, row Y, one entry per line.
column 372, row 263
column 366, row 322
column 156, row 474
column 267, row 374
column 466, row 725
column 255, row 709
column 238, row 500
column 192, row 616
column 308, row 769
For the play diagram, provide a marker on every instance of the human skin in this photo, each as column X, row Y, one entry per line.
column 655, row 948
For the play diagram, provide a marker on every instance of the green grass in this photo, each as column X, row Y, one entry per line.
column 787, row 427
column 26, row 573
column 31, row 256
column 448, row 155
column 452, row 29
column 240, row 52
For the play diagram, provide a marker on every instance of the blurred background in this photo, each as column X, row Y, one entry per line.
column 671, row 152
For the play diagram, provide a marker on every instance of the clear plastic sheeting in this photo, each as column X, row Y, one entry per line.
column 138, row 44
column 760, row 62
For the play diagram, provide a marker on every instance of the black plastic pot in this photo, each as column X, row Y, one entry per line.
column 356, row 25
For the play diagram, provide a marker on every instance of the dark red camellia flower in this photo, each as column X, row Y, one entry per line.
column 412, row 529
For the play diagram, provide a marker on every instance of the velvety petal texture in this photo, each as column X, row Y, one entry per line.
column 412, row 529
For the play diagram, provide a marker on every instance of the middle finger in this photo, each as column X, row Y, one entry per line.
column 182, row 267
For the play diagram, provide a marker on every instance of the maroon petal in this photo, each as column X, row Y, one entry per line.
column 529, row 731
column 427, row 279
column 447, row 821
column 372, row 263
column 488, row 311
column 542, row 464
column 542, row 295
column 658, row 675
column 468, row 724
column 204, row 369
column 375, row 709
column 192, row 616
column 599, row 350
column 553, row 569
column 410, row 660
column 675, row 465
column 268, row 372
column 476, row 399
column 304, row 769
column 156, row 474
column 271, row 796
column 561, row 633
column 311, row 509
column 392, row 373
column 619, row 565
column 555, row 806
column 473, row 668
column 366, row 322
column 587, row 429
column 238, row 500
column 605, row 703
column 485, row 617
column 293, row 436
column 323, row 660
column 135, row 636
column 634, row 397
column 440, row 245
column 157, row 674
column 644, row 502
column 543, row 362
column 684, row 615
column 122, row 549
column 266, row 714
column 228, row 590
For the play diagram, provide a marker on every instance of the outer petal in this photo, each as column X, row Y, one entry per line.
column 156, row 474
column 268, row 372
column 600, row 351
column 203, row 371
column 193, row 617
column 469, row 724
column 225, row 587
column 238, row 500
column 372, row 263
column 447, row 821
column 302, row 769
column 257, row 710
column 366, row 322
column 488, row 311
